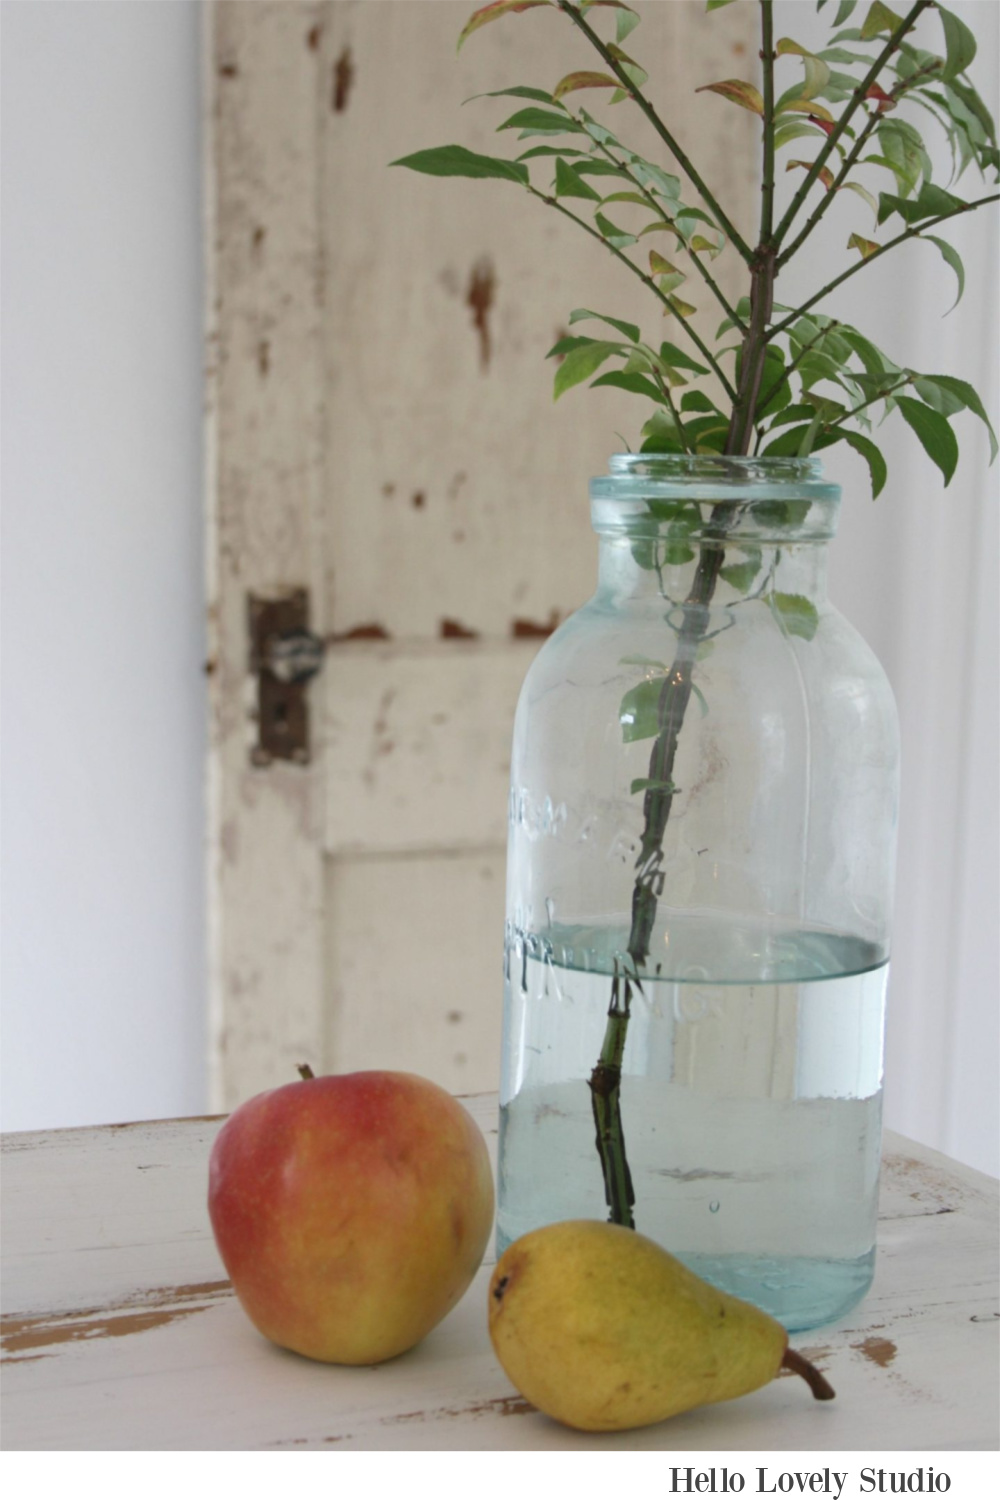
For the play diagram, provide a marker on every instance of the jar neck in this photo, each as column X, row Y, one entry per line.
column 756, row 524
column 633, row 571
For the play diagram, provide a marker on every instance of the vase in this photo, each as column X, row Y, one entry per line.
column 700, row 870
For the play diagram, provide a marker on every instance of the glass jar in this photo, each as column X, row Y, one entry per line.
column 700, row 871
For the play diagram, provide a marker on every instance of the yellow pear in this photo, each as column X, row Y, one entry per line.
column 600, row 1328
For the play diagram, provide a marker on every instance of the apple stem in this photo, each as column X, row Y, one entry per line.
column 305, row 1071
column 817, row 1383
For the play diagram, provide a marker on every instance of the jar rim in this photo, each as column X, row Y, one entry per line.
column 737, row 468
column 641, row 492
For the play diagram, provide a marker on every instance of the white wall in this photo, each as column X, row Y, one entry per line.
column 103, row 720
column 103, row 724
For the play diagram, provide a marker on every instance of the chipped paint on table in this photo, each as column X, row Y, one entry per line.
column 120, row 1330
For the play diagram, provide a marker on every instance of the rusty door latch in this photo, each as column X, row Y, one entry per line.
column 284, row 656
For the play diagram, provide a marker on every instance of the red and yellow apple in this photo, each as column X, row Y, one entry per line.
column 351, row 1212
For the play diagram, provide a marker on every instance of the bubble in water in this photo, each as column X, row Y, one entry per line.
column 713, row 1207
column 550, row 909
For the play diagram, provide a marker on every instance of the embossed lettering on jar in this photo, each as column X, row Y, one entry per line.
column 702, row 836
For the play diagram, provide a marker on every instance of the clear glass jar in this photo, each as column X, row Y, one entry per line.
column 700, row 872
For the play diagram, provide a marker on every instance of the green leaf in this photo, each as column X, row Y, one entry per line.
column 872, row 456
column 734, row 89
column 773, row 378
column 930, row 204
column 652, row 176
column 716, row 4
column 678, row 360
column 794, row 440
column 600, row 169
column 565, row 345
column 661, row 435
column 541, row 121
column 639, row 713
column 707, row 434
column 533, row 151
column 456, row 161
column 646, row 783
column 626, row 198
column 960, row 45
column 970, row 399
column 795, row 613
column 934, row 433
column 740, row 576
column 617, row 238
column 625, row 23
column 862, row 192
column 521, row 91
column 493, row 12
column 569, row 184
column 873, row 359
column 581, row 363
column 846, row 8
column 879, row 18
column 638, row 384
column 630, row 330
column 697, row 401
column 793, row 131
column 954, row 260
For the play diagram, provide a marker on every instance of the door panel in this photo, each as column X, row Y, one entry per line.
column 382, row 433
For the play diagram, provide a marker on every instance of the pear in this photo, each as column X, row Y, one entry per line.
column 600, row 1328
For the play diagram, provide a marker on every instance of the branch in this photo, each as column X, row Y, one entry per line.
column 648, row 281
column 909, row 234
column 612, row 62
column 855, row 100
column 767, row 185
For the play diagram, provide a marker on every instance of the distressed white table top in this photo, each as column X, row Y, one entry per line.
column 120, row 1330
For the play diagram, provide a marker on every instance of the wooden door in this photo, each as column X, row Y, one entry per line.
column 382, row 434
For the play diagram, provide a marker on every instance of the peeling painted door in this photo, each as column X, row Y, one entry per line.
column 381, row 433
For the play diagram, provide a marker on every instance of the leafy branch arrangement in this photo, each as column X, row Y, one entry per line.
column 777, row 381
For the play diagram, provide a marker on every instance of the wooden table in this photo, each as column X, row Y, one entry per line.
column 120, row 1330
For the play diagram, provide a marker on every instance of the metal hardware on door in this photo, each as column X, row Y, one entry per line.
column 284, row 656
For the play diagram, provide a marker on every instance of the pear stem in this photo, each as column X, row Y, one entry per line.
column 817, row 1383
column 305, row 1071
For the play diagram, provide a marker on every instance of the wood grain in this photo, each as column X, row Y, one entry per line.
column 120, row 1330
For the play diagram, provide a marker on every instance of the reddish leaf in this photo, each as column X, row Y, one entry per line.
column 743, row 94
column 494, row 11
column 826, row 125
column 866, row 247
column 885, row 101
column 824, row 174
column 583, row 81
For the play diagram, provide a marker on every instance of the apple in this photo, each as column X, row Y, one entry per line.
column 351, row 1212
